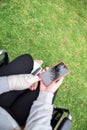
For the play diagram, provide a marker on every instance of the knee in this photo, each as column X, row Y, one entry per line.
column 28, row 58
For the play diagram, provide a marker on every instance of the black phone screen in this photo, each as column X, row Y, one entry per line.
column 54, row 73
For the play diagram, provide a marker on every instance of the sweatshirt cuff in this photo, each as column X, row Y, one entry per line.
column 45, row 97
column 4, row 85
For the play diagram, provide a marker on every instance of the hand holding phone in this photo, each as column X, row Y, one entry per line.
column 54, row 73
column 52, row 88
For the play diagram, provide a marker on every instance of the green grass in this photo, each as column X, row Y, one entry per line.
column 54, row 31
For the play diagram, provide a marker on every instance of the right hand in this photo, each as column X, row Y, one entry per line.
column 53, row 87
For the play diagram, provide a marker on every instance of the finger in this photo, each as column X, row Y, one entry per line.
column 35, row 86
column 57, row 83
column 47, row 68
column 31, row 88
column 42, row 71
column 60, row 81
column 42, row 86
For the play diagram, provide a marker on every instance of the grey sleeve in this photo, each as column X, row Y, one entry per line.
column 41, row 113
column 4, row 85
column 7, row 122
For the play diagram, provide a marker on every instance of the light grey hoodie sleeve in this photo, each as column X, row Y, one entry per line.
column 17, row 82
column 39, row 118
column 41, row 113
column 7, row 122
column 4, row 85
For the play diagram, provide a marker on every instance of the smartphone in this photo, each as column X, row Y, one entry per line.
column 54, row 73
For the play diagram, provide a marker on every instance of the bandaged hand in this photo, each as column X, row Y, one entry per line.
column 22, row 81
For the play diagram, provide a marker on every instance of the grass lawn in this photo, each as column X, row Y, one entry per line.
column 54, row 31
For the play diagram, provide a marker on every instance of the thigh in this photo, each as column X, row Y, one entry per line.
column 8, row 98
column 21, row 65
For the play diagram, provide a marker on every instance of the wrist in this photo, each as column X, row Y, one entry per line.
column 45, row 97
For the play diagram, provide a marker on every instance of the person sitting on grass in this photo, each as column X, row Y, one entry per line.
column 20, row 92
column 40, row 112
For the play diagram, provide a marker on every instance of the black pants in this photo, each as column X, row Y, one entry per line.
column 18, row 103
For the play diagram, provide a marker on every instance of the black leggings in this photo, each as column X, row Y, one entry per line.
column 18, row 103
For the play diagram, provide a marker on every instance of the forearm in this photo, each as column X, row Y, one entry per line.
column 21, row 81
column 17, row 82
column 41, row 113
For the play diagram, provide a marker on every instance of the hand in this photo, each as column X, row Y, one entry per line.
column 53, row 87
